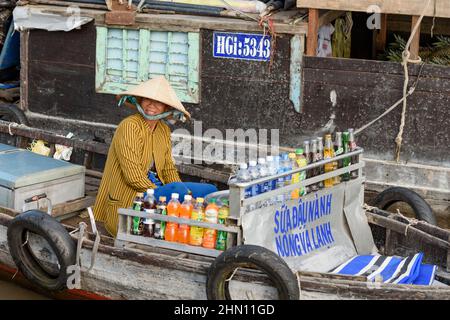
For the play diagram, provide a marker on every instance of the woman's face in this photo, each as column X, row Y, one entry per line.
column 152, row 107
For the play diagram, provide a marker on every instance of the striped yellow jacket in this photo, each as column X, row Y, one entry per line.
column 131, row 153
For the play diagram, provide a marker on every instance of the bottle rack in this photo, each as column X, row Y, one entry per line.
column 239, row 204
column 124, row 234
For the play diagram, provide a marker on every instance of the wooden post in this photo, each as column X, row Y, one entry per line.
column 313, row 29
column 381, row 35
column 415, row 44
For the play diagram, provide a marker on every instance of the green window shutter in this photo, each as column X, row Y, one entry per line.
column 127, row 57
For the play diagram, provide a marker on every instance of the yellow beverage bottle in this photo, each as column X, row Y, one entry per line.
column 295, row 176
column 211, row 215
column 198, row 214
column 301, row 162
column 328, row 153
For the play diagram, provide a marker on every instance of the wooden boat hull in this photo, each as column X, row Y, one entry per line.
column 132, row 273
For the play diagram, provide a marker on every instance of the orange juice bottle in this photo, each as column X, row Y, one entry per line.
column 185, row 212
column 196, row 233
column 173, row 209
column 211, row 214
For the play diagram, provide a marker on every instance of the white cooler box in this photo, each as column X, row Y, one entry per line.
column 24, row 174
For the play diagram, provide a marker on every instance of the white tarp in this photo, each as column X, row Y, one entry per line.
column 311, row 233
column 26, row 17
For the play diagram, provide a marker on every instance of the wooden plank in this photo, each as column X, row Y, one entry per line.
column 398, row 23
column 59, row 209
column 295, row 70
column 389, row 245
column 331, row 276
column 415, row 44
column 24, row 37
column 167, row 245
column 313, row 29
column 329, row 17
column 370, row 67
column 144, row 54
column 51, row 137
column 402, row 228
column 413, row 7
column 100, row 59
column 360, row 290
column 180, row 22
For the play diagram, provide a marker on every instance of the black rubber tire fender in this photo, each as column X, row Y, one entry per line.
column 265, row 260
column 58, row 238
column 421, row 208
column 12, row 113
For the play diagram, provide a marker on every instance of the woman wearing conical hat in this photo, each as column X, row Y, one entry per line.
column 140, row 154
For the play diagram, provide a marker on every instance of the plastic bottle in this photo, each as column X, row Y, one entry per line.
column 185, row 212
column 295, row 177
column 272, row 171
column 254, row 174
column 137, row 223
column 149, row 225
column 242, row 176
column 279, row 169
column 173, row 209
column 211, row 214
column 286, row 166
column 160, row 226
column 301, row 162
column 263, row 172
column 224, row 212
column 198, row 214
column 149, row 199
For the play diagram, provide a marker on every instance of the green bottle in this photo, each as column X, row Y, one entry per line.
column 224, row 211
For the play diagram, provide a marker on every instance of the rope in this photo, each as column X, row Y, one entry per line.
column 405, row 59
column 266, row 21
column 239, row 11
column 12, row 124
column 406, row 93
column 232, row 275
column 411, row 221
column 434, row 18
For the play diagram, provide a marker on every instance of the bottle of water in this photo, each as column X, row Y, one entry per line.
column 244, row 176
column 271, row 166
column 279, row 182
column 254, row 174
column 286, row 166
column 263, row 172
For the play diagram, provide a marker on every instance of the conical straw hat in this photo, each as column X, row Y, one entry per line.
column 158, row 89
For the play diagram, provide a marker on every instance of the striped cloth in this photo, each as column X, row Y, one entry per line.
column 133, row 149
column 395, row 270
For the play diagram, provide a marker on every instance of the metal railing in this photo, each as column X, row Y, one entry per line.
column 239, row 203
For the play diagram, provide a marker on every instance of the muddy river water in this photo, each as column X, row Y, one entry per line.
column 11, row 291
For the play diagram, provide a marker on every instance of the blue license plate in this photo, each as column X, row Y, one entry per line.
column 242, row 46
